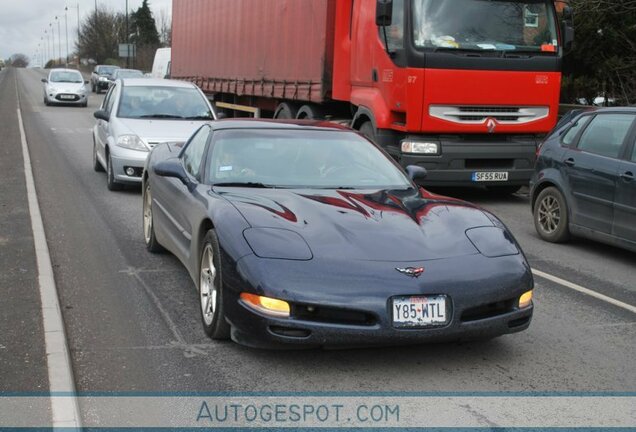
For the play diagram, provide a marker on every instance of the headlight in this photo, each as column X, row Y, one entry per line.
column 492, row 242
column 277, row 243
column 132, row 142
column 267, row 305
column 103, row 79
column 427, row 148
column 82, row 90
column 52, row 90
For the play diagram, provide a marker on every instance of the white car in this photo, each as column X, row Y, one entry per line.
column 65, row 86
column 138, row 114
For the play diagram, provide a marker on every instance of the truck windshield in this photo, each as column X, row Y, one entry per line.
column 485, row 25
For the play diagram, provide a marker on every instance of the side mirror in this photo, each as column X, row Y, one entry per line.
column 221, row 115
column 416, row 172
column 567, row 32
column 101, row 115
column 173, row 168
column 568, row 13
column 384, row 13
column 85, row 81
column 44, row 80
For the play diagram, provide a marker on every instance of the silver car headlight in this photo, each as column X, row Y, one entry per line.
column 82, row 90
column 132, row 142
column 52, row 90
column 103, row 79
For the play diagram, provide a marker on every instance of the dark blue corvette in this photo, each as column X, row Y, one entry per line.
column 307, row 234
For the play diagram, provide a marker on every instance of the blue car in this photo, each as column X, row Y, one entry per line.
column 585, row 179
column 306, row 234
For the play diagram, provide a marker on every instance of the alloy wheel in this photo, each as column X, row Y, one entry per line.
column 208, row 290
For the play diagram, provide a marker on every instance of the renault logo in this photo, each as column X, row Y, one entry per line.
column 491, row 124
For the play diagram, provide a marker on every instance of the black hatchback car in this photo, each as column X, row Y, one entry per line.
column 585, row 179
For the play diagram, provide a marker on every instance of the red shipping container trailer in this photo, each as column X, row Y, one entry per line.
column 463, row 88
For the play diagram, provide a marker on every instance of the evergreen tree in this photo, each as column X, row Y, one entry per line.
column 143, row 27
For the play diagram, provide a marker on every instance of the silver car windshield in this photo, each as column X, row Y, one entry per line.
column 301, row 159
column 485, row 25
column 163, row 103
column 65, row 77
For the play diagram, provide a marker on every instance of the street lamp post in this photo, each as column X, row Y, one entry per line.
column 66, row 27
column 78, row 31
column 46, row 35
column 52, row 41
column 59, row 39
column 127, row 38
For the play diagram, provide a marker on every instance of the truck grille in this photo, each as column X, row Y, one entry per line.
column 480, row 114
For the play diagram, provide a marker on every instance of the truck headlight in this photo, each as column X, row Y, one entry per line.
column 132, row 142
column 427, row 148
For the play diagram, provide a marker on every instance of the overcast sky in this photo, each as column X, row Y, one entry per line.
column 22, row 22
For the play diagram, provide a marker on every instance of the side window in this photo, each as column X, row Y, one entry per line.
column 568, row 138
column 605, row 134
column 110, row 99
column 395, row 32
column 193, row 154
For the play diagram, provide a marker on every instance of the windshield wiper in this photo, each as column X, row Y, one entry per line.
column 202, row 117
column 461, row 50
column 256, row 185
column 164, row 116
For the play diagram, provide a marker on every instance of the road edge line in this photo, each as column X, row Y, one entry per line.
column 584, row 290
column 64, row 409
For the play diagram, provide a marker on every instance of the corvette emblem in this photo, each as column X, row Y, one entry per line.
column 411, row 271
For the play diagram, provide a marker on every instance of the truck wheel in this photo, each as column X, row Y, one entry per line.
column 286, row 111
column 368, row 130
column 310, row 112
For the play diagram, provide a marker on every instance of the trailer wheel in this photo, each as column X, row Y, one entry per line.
column 310, row 112
column 285, row 111
column 368, row 130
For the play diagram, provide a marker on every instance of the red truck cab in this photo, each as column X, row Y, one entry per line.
column 463, row 88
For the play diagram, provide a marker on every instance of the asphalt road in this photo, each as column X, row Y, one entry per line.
column 132, row 318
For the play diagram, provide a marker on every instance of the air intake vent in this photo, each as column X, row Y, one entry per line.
column 480, row 114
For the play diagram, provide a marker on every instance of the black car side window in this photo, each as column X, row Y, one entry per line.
column 606, row 134
column 110, row 99
column 193, row 153
column 571, row 134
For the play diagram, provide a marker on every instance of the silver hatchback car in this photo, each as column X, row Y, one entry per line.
column 65, row 86
column 138, row 114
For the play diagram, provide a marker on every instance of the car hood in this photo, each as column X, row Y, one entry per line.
column 156, row 131
column 395, row 226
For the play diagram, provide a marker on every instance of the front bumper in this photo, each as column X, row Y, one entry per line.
column 483, row 304
column 67, row 98
column 128, row 159
column 462, row 156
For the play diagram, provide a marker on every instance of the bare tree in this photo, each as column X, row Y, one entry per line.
column 19, row 60
column 165, row 27
column 100, row 34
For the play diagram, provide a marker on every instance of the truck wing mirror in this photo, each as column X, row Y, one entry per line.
column 384, row 13
column 568, row 13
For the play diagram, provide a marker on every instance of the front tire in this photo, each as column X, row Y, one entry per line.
column 97, row 166
column 368, row 130
column 551, row 216
column 210, row 289
column 149, row 223
column 111, row 183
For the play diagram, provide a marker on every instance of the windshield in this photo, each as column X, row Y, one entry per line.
column 66, row 77
column 163, row 102
column 301, row 159
column 485, row 25
column 107, row 70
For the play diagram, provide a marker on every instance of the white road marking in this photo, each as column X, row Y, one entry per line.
column 584, row 290
column 65, row 410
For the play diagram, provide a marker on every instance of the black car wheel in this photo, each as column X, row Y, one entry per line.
column 111, row 183
column 210, row 289
column 97, row 166
column 93, row 87
column 149, row 226
column 551, row 215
